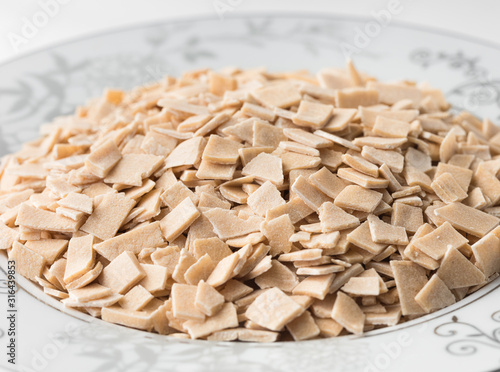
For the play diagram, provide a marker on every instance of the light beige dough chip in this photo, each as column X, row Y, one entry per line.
column 122, row 273
column 273, row 309
column 358, row 198
column 347, row 313
column 28, row 263
column 410, row 279
column 80, row 257
column 179, row 219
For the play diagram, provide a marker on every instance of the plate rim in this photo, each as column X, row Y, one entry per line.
column 271, row 14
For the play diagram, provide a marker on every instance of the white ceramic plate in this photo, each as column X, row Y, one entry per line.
column 37, row 87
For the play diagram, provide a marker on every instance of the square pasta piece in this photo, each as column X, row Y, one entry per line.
column 28, row 263
column 108, row 216
column 122, row 273
column 347, row 313
column 273, row 310
column 133, row 168
column 358, row 198
column 179, row 219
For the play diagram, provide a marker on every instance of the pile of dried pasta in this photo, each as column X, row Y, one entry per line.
column 257, row 206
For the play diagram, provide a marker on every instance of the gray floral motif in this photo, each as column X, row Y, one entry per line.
column 478, row 88
column 470, row 337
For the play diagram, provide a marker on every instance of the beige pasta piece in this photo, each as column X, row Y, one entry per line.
column 134, row 241
column 86, row 278
column 380, row 142
column 179, row 219
column 456, row 271
column 78, row 202
column 200, row 270
column 361, row 179
column 108, row 216
column 410, row 279
column 302, row 255
column 320, row 270
column 208, row 300
column 186, row 260
column 183, row 302
column 50, row 249
column 100, row 302
column 309, row 194
column 155, row 280
column 127, row 317
column 80, row 257
column 214, row 247
column 392, row 93
column 327, row 182
column 355, row 97
column 385, row 127
column 436, row 243
column 278, row 276
column 303, row 327
column 133, row 168
column 448, row 189
column 435, row 295
column 186, row 153
column 167, row 257
column 280, row 95
column 103, row 158
column 385, row 233
column 28, row 263
column 122, row 273
column 265, row 167
column 328, row 327
column 91, row 292
column 136, row 299
column 234, row 290
column 393, row 159
column 360, row 164
column 488, row 182
column 487, row 254
column 273, row 310
column 312, row 114
column 461, row 175
column 278, row 231
column 467, row 219
column 347, row 313
column 266, row 197
column 306, row 138
column 361, row 237
column 324, row 241
column 316, row 286
column 214, row 171
column 221, row 150
column 223, row 271
column 358, row 198
column 175, row 194
column 341, row 117
column 226, row 224
column 407, row 216
column 358, row 286
column 390, row 318
column 337, row 140
column 39, row 219
column 225, row 318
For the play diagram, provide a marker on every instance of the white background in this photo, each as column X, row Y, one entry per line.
column 479, row 18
